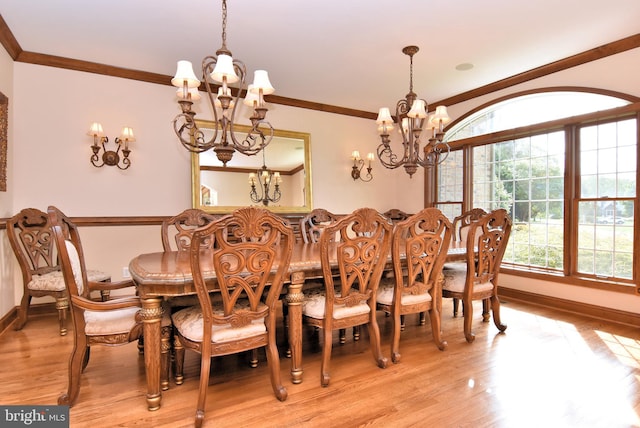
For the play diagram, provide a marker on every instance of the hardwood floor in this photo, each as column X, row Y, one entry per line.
column 549, row 369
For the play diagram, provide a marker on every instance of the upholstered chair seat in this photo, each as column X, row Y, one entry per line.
column 385, row 295
column 315, row 300
column 113, row 322
column 54, row 281
column 190, row 324
column 455, row 279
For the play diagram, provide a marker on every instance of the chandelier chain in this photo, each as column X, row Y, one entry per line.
column 224, row 24
column 410, row 73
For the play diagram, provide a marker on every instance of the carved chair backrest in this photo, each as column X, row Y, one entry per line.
column 424, row 238
column 176, row 231
column 492, row 235
column 463, row 222
column 31, row 240
column 360, row 242
column 313, row 224
column 396, row 215
column 69, row 246
column 252, row 252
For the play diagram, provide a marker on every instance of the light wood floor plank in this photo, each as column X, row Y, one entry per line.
column 550, row 369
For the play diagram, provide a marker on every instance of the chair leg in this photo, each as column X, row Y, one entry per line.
column 495, row 308
column 423, row 318
column 141, row 345
column 205, row 369
column 62, row 305
column 455, row 307
column 105, row 294
column 178, row 361
column 356, row 333
column 254, row 358
column 485, row 310
column 402, row 323
column 273, row 362
column 343, row 336
column 165, row 356
column 23, row 312
column 395, row 337
column 77, row 360
column 436, row 331
column 85, row 360
column 285, row 322
column 374, row 339
column 326, row 356
column 467, row 307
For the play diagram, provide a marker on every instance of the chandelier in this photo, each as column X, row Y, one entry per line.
column 411, row 119
column 219, row 71
column 263, row 179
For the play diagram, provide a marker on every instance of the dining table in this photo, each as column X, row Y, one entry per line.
column 165, row 275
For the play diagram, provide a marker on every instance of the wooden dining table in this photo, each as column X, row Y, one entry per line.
column 165, row 275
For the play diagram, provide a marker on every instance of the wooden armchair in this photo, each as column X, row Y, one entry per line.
column 360, row 242
column 312, row 225
column 417, row 284
column 251, row 260
column 461, row 225
column 486, row 243
column 114, row 322
column 32, row 242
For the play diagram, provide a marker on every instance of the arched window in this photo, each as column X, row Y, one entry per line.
column 530, row 109
column 523, row 165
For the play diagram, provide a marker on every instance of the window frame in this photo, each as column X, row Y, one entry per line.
column 570, row 126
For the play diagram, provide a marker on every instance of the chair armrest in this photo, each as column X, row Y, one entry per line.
column 111, row 285
column 120, row 303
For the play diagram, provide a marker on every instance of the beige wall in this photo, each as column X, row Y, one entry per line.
column 52, row 109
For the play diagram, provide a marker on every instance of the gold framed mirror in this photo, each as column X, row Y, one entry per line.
column 220, row 189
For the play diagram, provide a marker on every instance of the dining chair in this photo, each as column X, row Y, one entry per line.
column 461, row 225
column 251, row 260
column 312, row 224
column 360, row 243
column 487, row 241
column 311, row 227
column 416, row 286
column 176, row 233
column 114, row 322
column 31, row 240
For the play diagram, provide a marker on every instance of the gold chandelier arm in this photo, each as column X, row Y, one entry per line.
column 189, row 135
column 255, row 140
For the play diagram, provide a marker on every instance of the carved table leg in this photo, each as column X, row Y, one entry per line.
column 151, row 315
column 294, row 303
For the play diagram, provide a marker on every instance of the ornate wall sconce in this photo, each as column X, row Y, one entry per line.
column 358, row 164
column 110, row 157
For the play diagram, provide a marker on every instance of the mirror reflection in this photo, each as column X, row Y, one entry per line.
column 251, row 180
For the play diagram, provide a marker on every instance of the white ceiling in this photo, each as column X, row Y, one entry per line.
column 345, row 53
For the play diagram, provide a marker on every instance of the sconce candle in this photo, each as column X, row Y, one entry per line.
column 110, row 157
